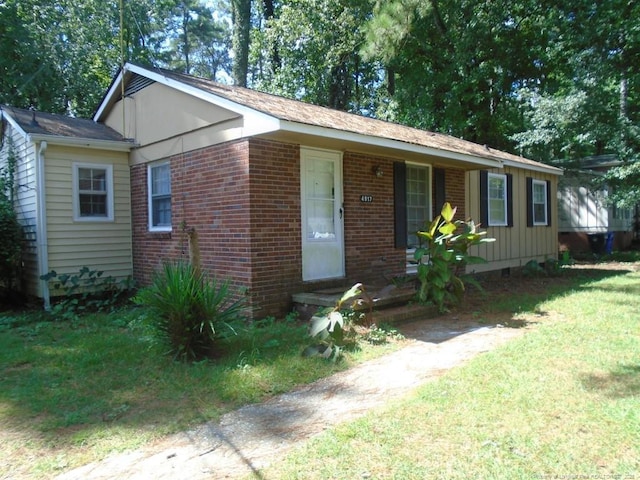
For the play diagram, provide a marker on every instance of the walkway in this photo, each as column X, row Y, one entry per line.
column 252, row 437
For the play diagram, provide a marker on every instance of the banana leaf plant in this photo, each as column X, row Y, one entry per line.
column 331, row 329
column 444, row 255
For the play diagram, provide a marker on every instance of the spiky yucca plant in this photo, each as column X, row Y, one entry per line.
column 190, row 310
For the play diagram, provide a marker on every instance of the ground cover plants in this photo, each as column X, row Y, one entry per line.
column 75, row 391
column 562, row 401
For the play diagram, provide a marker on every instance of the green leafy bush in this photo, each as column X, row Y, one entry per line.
column 332, row 330
column 189, row 310
column 86, row 291
column 445, row 254
column 10, row 229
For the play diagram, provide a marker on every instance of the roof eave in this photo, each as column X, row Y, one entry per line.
column 13, row 122
column 539, row 167
column 115, row 145
column 313, row 130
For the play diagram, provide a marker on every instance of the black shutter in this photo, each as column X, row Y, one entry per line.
column 484, row 198
column 439, row 193
column 400, row 203
column 509, row 200
column 529, row 202
column 548, row 203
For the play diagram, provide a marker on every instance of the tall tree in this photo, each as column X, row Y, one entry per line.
column 28, row 75
column 241, row 19
column 455, row 63
column 318, row 61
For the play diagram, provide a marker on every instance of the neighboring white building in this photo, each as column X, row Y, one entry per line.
column 585, row 221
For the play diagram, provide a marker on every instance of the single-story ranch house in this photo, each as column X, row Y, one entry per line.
column 275, row 195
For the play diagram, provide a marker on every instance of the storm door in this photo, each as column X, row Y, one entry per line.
column 322, row 214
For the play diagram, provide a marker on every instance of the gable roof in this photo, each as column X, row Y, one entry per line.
column 61, row 129
column 287, row 115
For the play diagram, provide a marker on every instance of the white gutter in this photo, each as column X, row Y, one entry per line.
column 41, row 225
column 117, row 145
column 294, row 127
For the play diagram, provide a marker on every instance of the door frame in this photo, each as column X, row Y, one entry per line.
column 338, row 212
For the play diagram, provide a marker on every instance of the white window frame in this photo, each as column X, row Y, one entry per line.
column 497, row 222
column 150, row 167
column 75, row 177
column 537, row 222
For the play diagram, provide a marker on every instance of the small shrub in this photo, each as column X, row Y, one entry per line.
column 333, row 330
column 379, row 335
column 533, row 269
column 189, row 310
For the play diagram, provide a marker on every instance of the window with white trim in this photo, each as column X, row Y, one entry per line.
column 497, row 199
column 92, row 192
column 418, row 185
column 159, row 188
column 539, row 202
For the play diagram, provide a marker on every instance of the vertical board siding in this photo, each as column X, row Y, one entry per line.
column 515, row 246
column 103, row 246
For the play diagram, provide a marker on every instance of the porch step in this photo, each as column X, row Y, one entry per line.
column 390, row 304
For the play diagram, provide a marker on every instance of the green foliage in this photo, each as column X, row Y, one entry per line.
column 86, row 291
column 445, row 253
column 10, row 229
column 189, row 310
column 379, row 335
column 533, row 269
column 332, row 329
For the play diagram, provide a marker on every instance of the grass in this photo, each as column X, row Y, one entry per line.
column 562, row 401
column 74, row 392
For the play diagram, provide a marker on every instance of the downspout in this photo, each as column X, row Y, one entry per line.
column 41, row 225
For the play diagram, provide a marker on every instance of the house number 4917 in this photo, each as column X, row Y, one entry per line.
column 366, row 198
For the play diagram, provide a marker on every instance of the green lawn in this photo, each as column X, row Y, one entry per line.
column 563, row 401
column 73, row 392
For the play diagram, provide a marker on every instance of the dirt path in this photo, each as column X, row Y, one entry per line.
column 254, row 436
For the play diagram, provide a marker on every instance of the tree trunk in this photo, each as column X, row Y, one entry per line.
column 241, row 18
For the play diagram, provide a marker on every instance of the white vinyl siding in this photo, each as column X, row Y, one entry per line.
column 102, row 246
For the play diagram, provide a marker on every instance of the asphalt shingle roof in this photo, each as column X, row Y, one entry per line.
column 314, row 115
column 41, row 123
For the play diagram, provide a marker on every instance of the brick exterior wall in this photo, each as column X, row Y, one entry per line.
column 210, row 209
column 276, row 254
column 454, row 191
column 370, row 255
column 244, row 218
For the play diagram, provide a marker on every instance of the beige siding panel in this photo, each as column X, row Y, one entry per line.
column 158, row 112
column 100, row 245
column 514, row 246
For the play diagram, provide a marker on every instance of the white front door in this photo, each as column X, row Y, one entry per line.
column 322, row 213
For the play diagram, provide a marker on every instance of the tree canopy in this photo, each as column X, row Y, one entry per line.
column 552, row 80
